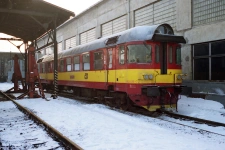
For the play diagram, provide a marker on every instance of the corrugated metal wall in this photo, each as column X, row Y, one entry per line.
column 161, row 12
column 144, row 16
column 206, row 11
column 114, row 26
column 87, row 36
column 71, row 42
column 59, row 47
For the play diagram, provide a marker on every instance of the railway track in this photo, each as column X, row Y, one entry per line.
column 142, row 111
column 26, row 132
column 196, row 120
column 64, row 141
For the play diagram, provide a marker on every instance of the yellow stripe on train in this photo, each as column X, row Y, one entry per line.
column 141, row 76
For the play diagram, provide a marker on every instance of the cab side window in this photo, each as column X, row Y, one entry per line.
column 178, row 56
column 171, row 54
column 157, row 53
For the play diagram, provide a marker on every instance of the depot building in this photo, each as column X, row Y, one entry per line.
column 201, row 22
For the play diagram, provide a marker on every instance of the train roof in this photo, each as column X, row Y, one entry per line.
column 161, row 32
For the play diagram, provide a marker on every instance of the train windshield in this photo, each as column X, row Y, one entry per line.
column 141, row 53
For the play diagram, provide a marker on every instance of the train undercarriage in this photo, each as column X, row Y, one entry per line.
column 163, row 99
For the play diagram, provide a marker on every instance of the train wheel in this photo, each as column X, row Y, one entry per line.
column 112, row 102
column 101, row 99
column 118, row 102
column 125, row 104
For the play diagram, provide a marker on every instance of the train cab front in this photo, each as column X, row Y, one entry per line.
column 163, row 97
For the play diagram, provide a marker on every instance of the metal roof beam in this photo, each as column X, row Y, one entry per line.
column 11, row 39
column 33, row 13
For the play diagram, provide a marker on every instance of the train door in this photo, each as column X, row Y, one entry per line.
column 120, row 68
column 110, row 74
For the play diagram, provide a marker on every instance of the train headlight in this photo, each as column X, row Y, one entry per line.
column 145, row 77
column 179, row 77
column 150, row 76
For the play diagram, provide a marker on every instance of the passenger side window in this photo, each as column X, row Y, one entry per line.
column 157, row 53
column 43, row 67
column 39, row 67
column 48, row 67
column 52, row 64
column 98, row 60
column 121, row 54
column 61, row 65
column 68, row 64
column 76, row 61
column 86, row 61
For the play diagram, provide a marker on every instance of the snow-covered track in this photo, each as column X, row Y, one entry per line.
column 5, row 97
column 67, row 143
column 142, row 111
column 196, row 120
column 28, row 135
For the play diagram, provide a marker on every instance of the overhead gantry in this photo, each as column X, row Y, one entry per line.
column 28, row 20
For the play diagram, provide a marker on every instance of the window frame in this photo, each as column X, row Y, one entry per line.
column 119, row 55
column 96, row 61
column 135, row 58
column 85, row 67
column 210, row 56
column 68, row 64
column 157, row 53
column 75, row 64
column 178, row 59
column 170, row 54
column 61, row 65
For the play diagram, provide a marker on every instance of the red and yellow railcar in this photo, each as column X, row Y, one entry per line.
column 140, row 66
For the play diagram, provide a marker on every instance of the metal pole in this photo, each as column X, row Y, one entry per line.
column 25, row 61
column 55, row 62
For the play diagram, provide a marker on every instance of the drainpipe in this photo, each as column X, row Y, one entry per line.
column 128, row 14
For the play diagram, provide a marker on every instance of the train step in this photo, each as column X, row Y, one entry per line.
column 106, row 97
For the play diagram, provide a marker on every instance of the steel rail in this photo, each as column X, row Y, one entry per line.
column 65, row 141
column 199, row 120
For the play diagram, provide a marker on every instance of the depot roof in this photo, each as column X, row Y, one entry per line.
column 29, row 19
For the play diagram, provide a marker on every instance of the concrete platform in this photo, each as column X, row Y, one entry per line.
column 207, row 89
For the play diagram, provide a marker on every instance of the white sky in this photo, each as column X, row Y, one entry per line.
column 77, row 7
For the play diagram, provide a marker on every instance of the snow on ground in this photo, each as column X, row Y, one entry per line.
column 6, row 86
column 97, row 127
column 200, row 108
column 18, row 131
